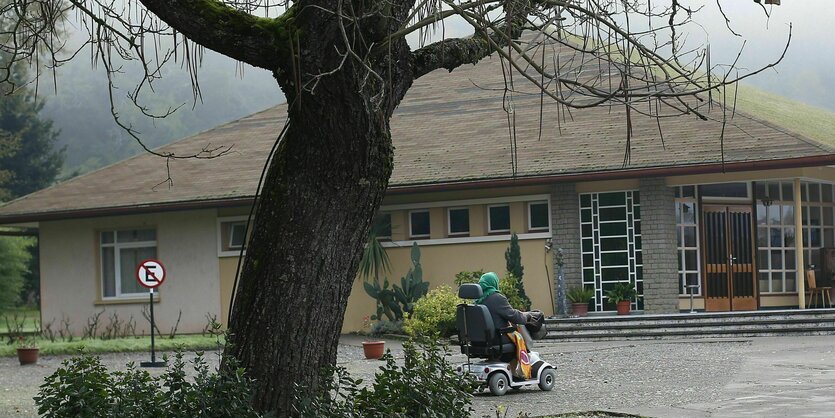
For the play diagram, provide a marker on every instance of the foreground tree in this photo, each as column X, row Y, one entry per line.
column 344, row 66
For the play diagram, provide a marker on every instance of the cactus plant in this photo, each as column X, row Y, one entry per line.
column 398, row 301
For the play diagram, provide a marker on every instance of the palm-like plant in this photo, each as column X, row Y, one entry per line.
column 374, row 258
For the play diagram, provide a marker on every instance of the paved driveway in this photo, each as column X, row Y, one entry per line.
column 760, row 377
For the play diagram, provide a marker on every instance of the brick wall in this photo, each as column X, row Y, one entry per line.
column 658, row 238
column 565, row 222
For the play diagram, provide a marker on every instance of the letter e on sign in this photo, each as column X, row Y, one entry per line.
column 150, row 273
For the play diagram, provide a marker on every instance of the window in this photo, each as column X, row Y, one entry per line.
column 776, row 231
column 382, row 226
column 121, row 253
column 419, row 224
column 498, row 219
column 687, row 238
column 237, row 235
column 610, row 231
column 232, row 236
column 538, row 216
column 459, row 221
column 725, row 190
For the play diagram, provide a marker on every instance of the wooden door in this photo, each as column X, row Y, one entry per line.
column 730, row 274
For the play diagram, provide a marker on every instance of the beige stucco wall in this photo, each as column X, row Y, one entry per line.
column 440, row 263
column 186, row 245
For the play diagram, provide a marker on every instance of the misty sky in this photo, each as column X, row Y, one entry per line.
column 806, row 74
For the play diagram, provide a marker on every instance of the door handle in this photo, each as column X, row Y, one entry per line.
column 731, row 260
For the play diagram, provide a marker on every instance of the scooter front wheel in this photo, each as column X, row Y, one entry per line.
column 498, row 384
column 547, row 379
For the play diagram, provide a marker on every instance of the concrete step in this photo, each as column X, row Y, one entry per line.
column 661, row 324
column 727, row 333
column 776, row 327
column 698, row 325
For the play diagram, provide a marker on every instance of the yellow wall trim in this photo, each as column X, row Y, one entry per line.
column 467, row 202
column 465, row 240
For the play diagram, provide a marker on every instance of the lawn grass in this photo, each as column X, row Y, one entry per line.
column 31, row 319
column 119, row 345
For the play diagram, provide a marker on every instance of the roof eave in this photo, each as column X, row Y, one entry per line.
column 712, row 168
column 819, row 160
column 126, row 210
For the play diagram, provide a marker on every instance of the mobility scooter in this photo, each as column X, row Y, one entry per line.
column 480, row 339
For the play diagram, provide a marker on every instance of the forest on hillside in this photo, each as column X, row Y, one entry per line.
column 79, row 107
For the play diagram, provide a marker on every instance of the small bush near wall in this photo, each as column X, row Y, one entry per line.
column 434, row 314
column 425, row 386
column 83, row 387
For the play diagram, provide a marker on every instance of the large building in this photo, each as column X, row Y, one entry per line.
column 720, row 212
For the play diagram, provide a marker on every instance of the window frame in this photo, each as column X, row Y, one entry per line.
column 449, row 222
column 222, row 250
column 490, row 229
column 547, row 204
column 411, row 230
column 117, row 261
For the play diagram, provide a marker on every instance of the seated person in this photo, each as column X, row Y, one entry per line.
column 503, row 314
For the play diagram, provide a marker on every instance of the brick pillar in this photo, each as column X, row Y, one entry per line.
column 565, row 224
column 658, row 238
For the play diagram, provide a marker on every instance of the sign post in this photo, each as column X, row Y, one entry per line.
column 151, row 274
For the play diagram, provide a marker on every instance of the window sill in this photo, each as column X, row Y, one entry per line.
column 420, row 237
column 126, row 300
column 458, row 235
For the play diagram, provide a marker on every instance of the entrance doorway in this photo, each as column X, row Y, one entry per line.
column 730, row 271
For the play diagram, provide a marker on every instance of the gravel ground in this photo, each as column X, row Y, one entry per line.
column 591, row 376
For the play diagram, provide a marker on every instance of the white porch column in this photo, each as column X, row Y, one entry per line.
column 798, row 245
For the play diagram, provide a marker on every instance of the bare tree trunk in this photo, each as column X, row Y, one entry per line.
column 322, row 190
column 323, row 187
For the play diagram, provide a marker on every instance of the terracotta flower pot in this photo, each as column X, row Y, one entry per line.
column 373, row 349
column 27, row 355
column 580, row 309
column 624, row 307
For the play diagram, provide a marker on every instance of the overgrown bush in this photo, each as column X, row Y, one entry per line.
column 426, row 385
column 434, row 314
column 83, row 387
column 508, row 286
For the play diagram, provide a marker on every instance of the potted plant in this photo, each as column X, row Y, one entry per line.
column 27, row 351
column 372, row 347
column 622, row 295
column 579, row 297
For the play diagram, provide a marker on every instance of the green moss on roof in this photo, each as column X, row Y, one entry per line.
column 813, row 122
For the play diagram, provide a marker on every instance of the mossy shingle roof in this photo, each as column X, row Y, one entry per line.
column 450, row 129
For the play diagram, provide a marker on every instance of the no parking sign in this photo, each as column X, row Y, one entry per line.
column 150, row 273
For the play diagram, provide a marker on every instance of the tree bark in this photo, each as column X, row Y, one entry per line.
column 323, row 188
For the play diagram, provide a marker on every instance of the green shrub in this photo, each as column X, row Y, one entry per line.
column 434, row 314
column 83, row 387
column 426, row 385
column 509, row 287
